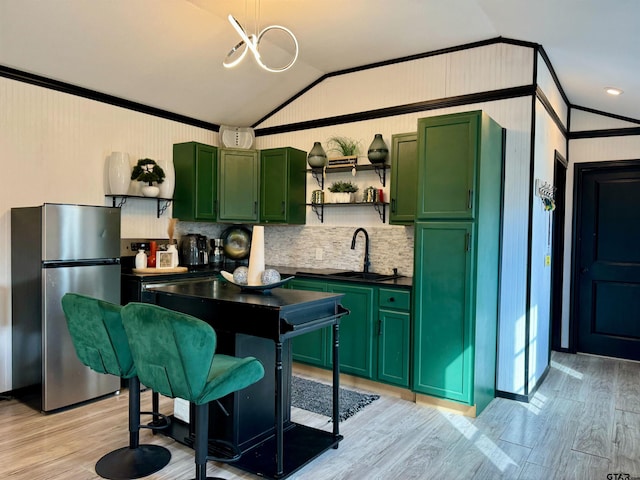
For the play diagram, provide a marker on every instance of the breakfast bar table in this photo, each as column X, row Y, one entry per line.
column 261, row 324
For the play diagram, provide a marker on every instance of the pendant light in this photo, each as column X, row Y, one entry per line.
column 252, row 42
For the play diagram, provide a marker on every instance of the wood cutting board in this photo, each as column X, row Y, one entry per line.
column 160, row 271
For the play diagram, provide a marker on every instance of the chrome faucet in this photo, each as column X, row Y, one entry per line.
column 366, row 247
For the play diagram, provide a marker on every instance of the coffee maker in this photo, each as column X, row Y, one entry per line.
column 193, row 251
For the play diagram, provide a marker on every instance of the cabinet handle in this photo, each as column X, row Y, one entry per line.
column 391, row 299
column 379, row 327
column 255, row 207
column 282, row 208
column 470, row 199
column 393, row 205
column 467, row 246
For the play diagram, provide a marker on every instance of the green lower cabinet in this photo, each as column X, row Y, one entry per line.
column 374, row 336
column 394, row 340
column 356, row 328
column 312, row 348
column 443, row 338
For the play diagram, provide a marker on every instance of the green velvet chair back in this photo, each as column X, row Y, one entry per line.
column 97, row 334
column 175, row 355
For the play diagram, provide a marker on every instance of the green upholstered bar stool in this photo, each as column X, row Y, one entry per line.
column 175, row 355
column 102, row 345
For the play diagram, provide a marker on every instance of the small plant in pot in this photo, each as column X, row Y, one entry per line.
column 344, row 146
column 148, row 172
column 343, row 191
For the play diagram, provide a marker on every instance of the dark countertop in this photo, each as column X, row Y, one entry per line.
column 278, row 314
column 300, row 273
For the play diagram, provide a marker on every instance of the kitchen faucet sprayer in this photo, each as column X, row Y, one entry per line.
column 366, row 247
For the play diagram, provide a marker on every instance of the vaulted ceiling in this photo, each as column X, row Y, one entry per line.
column 168, row 53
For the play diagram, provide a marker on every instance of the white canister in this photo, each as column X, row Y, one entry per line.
column 174, row 251
column 141, row 259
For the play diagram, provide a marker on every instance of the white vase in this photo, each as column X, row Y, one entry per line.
column 169, row 183
column 119, row 172
column 150, row 191
column 256, row 256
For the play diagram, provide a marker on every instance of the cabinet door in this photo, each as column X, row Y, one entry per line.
column 447, row 152
column 356, row 329
column 196, row 182
column 239, row 175
column 313, row 347
column 404, row 178
column 443, row 343
column 393, row 347
column 274, row 174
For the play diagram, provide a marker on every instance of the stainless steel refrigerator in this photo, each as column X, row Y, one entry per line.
column 56, row 249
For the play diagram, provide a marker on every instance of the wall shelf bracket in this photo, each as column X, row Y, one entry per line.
column 381, row 209
column 161, row 203
column 382, row 173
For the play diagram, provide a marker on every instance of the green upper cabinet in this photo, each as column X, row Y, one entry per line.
column 238, row 185
column 283, row 186
column 447, row 178
column 194, row 198
column 404, row 178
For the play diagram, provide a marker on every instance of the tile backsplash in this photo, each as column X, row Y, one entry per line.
column 318, row 247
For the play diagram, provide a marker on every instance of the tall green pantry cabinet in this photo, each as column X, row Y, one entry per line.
column 457, row 245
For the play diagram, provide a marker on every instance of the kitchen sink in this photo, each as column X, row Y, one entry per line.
column 351, row 275
column 365, row 275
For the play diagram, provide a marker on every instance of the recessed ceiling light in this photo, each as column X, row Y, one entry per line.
column 613, row 91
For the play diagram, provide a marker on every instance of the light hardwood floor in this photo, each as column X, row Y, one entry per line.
column 583, row 424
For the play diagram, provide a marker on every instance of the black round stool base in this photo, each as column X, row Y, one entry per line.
column 127, row 463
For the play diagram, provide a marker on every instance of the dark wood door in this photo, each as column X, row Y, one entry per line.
column 608, row 259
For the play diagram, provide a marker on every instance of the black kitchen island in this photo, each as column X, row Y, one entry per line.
column 260, row 325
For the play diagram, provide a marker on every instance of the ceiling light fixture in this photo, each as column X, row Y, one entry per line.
column 613, row 91
column 252, row 42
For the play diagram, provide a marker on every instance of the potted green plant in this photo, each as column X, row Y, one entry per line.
column 346, row 148
column 343, row 191
column 148, row 172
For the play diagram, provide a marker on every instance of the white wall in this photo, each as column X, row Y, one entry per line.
column 53, row 148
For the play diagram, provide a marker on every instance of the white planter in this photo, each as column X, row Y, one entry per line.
column 150, row 191
column 342, row 197
column 119, row 173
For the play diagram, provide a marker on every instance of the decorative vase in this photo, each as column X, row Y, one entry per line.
column 119, row 172
column 378, row 150
column 167, row 187
column 150, row 191
column 256, row 256
column 317, row 157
